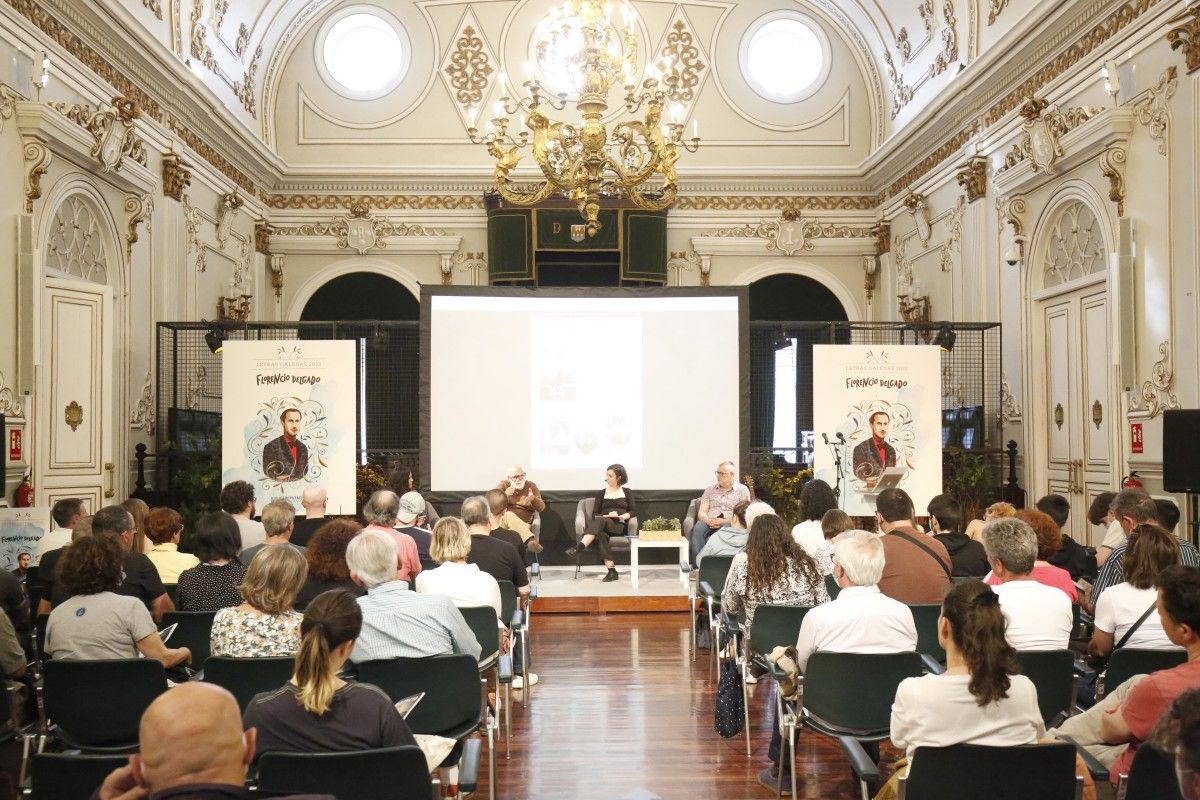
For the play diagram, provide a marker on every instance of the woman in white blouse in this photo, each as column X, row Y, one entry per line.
column 980, row 698
column 465, row 584
column 1150, row 550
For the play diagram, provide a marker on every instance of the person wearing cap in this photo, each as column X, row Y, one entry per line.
column 524, row 500
column 412, row 520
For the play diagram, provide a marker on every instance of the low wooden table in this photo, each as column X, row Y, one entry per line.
column 637, row 543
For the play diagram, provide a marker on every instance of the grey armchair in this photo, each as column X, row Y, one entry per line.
column 689, row 519
column 583, row 513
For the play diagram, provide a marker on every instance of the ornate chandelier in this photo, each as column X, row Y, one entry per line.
column 588, row 161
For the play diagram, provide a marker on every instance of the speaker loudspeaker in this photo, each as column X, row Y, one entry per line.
column 1181, row 450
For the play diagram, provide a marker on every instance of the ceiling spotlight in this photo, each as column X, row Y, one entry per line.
column 945, row 338
column 215, row 338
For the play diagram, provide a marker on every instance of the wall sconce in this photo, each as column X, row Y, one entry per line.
column 870, row 268
column 43, row 81
column 915, row 309
column 1112, row 81
column 235, row 307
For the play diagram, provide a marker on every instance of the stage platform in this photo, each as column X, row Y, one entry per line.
column 659, row 589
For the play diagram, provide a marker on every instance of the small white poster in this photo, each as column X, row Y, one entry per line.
column 289, row 418
column 20, row 529
column 881, row 409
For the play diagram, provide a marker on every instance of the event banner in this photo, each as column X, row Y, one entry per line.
column 288, row 419
column 20, row 529
column 881, row 409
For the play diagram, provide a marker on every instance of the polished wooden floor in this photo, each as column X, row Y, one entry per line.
column 622, row 711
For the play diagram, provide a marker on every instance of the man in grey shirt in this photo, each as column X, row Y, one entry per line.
column 398, row 623
column 278, row 520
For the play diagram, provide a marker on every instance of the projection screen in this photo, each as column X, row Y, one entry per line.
column 566, row 382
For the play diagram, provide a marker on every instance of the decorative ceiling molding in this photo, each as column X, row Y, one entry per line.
column 681, row 261
column 972, row 176
column 1041, row 134
column 227, row 211
column 37, row 161
column 360, row 231
column 8, row 103
column 1156, row 395
column 111, row 128
column 392, row 202
column 687, row 58
column 1185, row 35
column 196, row 254
column 953, row 244
column 470, row 262
column 1153, row 110
column 1051, row 152
column 791, row 233
column 997, row 7
column 904, row 45
column 902, row 92
column 155, row 7
column 176, row 176
column 779, row 203
column 1112, row 166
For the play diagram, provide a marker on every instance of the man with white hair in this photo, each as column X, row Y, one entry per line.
column 1039, row 616
column 313, row 501
column 381, row 512
column 524, row 499
column 398, row 623
column 716, row 506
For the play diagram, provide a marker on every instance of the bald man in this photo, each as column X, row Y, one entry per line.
column 524, row 499
column 313, row 501
column 192, row 746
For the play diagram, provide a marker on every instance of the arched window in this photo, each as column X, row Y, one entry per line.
column 1075, row 248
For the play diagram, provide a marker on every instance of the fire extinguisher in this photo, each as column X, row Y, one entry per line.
column 1132, row 481
column 23, row 496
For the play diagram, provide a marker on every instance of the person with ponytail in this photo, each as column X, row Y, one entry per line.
column 316, row 711
column 980, row 698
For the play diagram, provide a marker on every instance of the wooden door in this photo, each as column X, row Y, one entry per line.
column 75, row 409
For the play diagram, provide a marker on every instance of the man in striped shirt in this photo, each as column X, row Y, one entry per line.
column 397, row 622
column 1165, row 513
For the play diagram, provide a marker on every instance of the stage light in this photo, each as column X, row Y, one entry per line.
column 945, row 338
column 215, row 338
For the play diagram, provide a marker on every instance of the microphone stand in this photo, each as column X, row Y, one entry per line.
column 835, row 447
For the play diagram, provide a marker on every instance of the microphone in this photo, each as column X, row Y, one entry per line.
column 825, row 437
column 841, row 437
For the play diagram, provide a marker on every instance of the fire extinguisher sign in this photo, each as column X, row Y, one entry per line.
column 14, row 445
column 1135, row 437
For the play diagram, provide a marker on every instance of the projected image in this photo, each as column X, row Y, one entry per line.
column 586, row 382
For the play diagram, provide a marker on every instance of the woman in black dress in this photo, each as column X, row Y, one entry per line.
column 611, row 510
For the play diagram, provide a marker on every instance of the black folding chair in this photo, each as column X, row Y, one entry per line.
column 831, row 586
column 61, row 776
column 194, row 632
column 518, row 620
column 847, row 696
column 1025, row 772
column 1125, row 662
column 246, row 677
column 388, row 773
column 97, row 706
column 1151, row 776
column 173, row 593
column 455, row 702
column 709, row 585
column 482, row 621
column 773, row 626
column 925, row 617
column 1053, row 673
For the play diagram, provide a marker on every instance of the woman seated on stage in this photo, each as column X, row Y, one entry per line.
column 774, row 570
column 316, row 711
column 611, row 510
column 265, row 624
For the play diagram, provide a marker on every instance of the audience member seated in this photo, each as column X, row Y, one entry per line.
column 465, row 584
column 411, row 520
column 139, row 577
column 326, row 556
column 380, row 512
column 402, row 481
column 278, row 521
column 192, row 748
column 1113, row 728
column 1130, row 503
column 522, row 499
column 1039, row 616
column 65, row 513
column 967, row 558
column 163, row 526
column 773, row 570
column 994, row 511
column 497, row 503
column 492, row 555
column 816, row 498
column 715, row 509
column 214, row 583
column 237, row 500
column 398, row 623
column 138, row 509
column 1144, row 510
column 1071, row 555
column 612, row 508
column 1049, row 539
column 316, row 711
column 313, row 501
column 1177, row 735
column 981, row 698
column 834, row 523
column 917, row 568
column 1100, row 515
column 12, row 653
column 48, row 568
column 95, row 622
column 1127, row 612
column 730, row 539
column 264, row 624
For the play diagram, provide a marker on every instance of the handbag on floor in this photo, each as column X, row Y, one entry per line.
column 729, row 712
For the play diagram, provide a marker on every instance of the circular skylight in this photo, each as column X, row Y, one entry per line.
column 784, row 58
column 361, row 53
